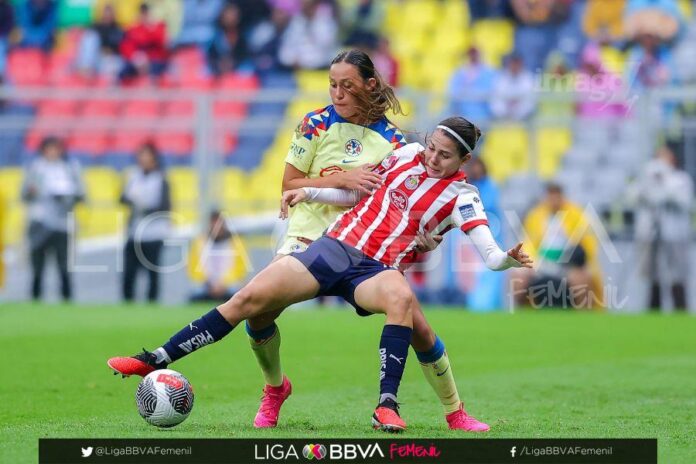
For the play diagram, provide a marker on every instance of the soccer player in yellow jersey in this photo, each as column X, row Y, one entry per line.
column 337, row 146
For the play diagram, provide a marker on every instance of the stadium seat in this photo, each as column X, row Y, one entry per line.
column 506, row 151
column 181, row 108
column 27, row 67
column 183, row 185
column 175, row 143
column 141, row 109
column 552, row 144
column 103, row 185
column 89, row 142
column 494, row 38
column 234, row 109
column 240, row 81
column 101, row 108
column 130, row 140
column 57, row 108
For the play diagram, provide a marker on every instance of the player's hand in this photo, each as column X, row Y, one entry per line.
column 289, row 199
column 426, row 242
column 361, row 179
column 520, row 256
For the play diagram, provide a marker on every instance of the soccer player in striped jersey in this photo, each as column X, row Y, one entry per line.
column 327, row 147
column 360, row 256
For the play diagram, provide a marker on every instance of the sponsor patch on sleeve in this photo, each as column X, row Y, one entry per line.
column 467, row 211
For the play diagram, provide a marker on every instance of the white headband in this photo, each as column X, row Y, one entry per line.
column 456, row 136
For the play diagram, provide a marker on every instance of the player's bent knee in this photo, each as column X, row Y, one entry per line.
column 246, row 303
column 398, row 302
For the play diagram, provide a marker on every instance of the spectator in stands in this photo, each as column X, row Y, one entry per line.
column 560, row 80
column 660, row 18
column 144, row 47
column 310, row 41
column 601, row 91
column 663, row 196
column 6, row 25
column 363, row 22
column 513, row 96
column 198, row 22
column 51, row 188
column 489, row 9
column 470, row 88
column 264, row 41
column 385, row 62
column 603, row 20
column 38, row 20
column 487, row 291
column 654, row 62
column 146, row 194
column 537, row 26
column 568, row 272
column 254, row 12
column 170, row 13
column 228, row 50
column 99, row 46
column 216, row 262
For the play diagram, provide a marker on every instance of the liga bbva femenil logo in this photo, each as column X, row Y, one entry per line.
column 314, row 451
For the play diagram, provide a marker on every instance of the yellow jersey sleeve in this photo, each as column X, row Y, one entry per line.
column 303, row 147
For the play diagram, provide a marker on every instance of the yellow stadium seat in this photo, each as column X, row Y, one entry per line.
column 552, row 144
column 102, row 185
column 494, row 38
column 99, row 221
column 420, row 14
column 14, row 223
column 614, row 59
column 183, row 185
column 506, row 151
column 686, row 9
column 312, row 81
column 11, row 184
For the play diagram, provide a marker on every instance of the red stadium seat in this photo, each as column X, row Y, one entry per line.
column 238, row 81
column 27, row 67
column 129, row 140
column 57, row 108
column 142, row 108
column 174, row 143
column 224, row 142
column 230, row 109
column 178, row 108
column 92, row 142
column 100, row 108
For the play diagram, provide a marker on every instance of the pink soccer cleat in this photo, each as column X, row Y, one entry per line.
column 460, row 420
column 271, row 401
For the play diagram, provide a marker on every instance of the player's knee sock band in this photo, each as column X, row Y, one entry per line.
column 262, row 334
column 208, row 329
column 436, row 368
column 393, row 350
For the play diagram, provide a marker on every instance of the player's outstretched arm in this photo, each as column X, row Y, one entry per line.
column 327, row 196
column 495, row 258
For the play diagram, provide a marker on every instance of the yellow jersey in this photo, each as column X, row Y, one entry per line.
column 323, row 144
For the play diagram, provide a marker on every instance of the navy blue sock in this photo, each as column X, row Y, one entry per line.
column 210, row 328
column 393, row 350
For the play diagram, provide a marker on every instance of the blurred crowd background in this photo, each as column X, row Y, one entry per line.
column 588, row 109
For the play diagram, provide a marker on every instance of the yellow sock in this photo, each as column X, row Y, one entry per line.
column 267, row 352
column 439, row 376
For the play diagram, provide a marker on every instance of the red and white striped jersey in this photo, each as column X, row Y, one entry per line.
column 384, row 225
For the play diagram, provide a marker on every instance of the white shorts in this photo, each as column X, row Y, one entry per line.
column 292, row 245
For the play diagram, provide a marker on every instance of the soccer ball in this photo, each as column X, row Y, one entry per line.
column 164, row 398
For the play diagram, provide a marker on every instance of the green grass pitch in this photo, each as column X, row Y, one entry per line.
column 535, row 374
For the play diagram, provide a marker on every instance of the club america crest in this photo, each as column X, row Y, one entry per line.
column 353, row 147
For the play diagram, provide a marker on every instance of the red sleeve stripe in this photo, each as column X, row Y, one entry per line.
column 471, row 224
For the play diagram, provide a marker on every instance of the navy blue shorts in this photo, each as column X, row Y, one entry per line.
column 339, row 269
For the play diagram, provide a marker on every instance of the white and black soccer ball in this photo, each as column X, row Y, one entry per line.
column 164, row 398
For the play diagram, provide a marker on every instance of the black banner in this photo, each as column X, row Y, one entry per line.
column 383, row 450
